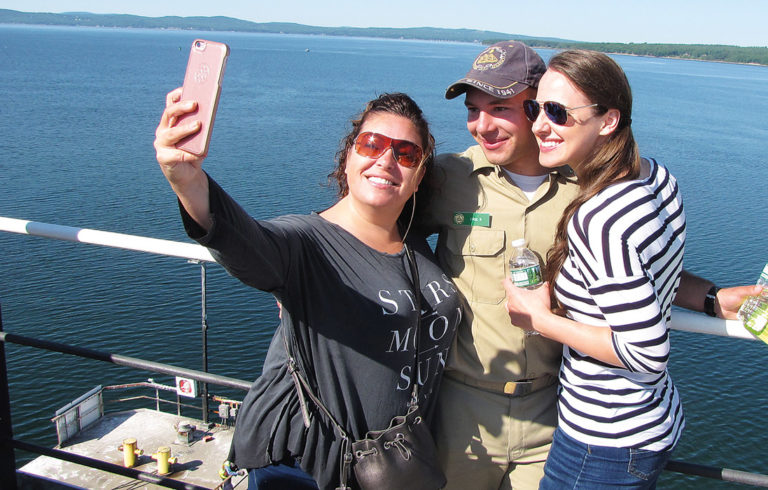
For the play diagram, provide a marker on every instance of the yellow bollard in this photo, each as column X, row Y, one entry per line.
column 164, row 461
column 130, row 452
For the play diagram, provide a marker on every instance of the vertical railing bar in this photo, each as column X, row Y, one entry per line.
column 204, row 314
column 7, row 455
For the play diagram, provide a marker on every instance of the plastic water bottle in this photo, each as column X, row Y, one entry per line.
column 524, row 268
column 754, row 311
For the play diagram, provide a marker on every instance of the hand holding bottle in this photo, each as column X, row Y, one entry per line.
column 525, row 305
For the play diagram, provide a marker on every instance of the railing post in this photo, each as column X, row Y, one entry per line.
column 7, row 456
column 204, row 387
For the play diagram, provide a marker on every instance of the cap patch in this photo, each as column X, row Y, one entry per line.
column 490, row 59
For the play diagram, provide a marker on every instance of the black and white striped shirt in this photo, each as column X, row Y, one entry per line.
column 623, row 270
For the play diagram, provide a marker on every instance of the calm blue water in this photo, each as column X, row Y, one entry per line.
column 78, row 109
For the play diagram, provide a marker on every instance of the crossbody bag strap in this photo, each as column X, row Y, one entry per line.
column 416, row 285
column 302, row 387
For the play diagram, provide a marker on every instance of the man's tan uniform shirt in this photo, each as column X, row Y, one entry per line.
column 478, row 211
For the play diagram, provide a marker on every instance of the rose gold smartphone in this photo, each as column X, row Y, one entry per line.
column 202, row 83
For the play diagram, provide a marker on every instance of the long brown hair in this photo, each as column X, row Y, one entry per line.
column 604, row 83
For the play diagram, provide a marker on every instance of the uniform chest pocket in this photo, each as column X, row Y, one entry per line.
column 478, row 262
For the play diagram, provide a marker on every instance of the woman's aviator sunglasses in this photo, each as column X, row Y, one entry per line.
column 556, row 112
column 373, row 145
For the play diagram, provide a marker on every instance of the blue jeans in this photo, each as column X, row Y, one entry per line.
column 572, row 464
column 280, row 477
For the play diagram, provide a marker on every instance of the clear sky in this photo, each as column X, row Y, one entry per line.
column 737, row 22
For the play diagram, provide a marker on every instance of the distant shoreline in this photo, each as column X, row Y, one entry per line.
column 757, row 56
column 674, row 58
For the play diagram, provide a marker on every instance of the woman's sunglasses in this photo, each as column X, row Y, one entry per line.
column 556, row 112
column 373, row 145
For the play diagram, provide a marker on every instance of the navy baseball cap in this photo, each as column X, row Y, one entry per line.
column 503, row 70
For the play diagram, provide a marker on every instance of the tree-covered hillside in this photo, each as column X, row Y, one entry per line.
column 723, row 53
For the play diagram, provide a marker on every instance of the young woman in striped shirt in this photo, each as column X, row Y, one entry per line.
column 615, row 268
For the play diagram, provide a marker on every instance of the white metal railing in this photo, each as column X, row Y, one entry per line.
column 189, row 251
column 689, row 321
column 681, row 320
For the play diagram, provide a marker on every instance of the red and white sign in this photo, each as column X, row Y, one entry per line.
column 186, row 387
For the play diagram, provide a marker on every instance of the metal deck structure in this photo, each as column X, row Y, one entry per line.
column 198, row 455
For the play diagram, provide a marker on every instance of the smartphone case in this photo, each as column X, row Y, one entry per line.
column 202, row 83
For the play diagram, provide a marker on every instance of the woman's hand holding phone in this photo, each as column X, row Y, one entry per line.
column 182, row 169
column 178, row 165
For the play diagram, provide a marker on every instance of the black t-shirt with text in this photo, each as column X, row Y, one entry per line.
column 353, row 312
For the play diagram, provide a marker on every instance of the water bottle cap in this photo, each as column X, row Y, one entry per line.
column 520, row 242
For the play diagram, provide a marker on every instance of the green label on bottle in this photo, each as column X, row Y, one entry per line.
column 526, row 277
column 754, row 311
column 758, row 317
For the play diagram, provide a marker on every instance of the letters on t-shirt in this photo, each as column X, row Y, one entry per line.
column 435, row 324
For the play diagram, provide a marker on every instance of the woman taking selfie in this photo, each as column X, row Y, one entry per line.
column 614, row 270
column 345, row 280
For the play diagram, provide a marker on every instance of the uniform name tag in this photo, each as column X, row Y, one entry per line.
column 472, row 219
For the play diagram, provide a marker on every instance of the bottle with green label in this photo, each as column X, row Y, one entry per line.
column 524, row 268
column 754, row 311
